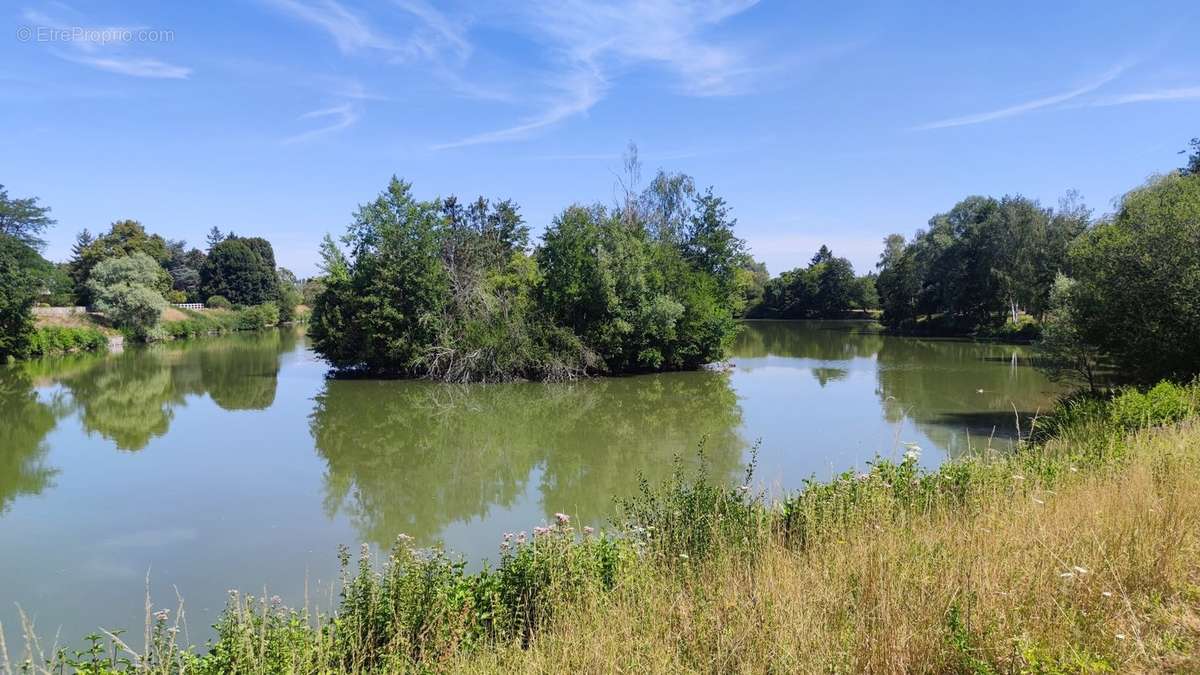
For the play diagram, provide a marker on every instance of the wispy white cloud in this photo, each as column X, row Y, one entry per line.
column 1176, row 94
column 577, row 93
column 590, row 40
column 349, row 31
column 135, row 67
column 103, row 47
column 1028, row 106
column 338, row 117
column 433, row 36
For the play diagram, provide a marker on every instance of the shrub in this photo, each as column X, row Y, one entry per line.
column 1166, row 403
column 258, row 316
column 218, row 302
column 176, row 297
column 1024, row 329
column 687, row 519
column 49, row 340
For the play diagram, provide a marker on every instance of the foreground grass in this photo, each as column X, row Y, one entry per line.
column 1101, row 575
column 1079, row 553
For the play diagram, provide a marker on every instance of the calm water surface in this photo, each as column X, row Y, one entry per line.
column 235, row 463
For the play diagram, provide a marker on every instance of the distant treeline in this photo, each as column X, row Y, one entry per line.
column 826, row 288
column 1120, row 293
column 130, row 276
column 458, row 292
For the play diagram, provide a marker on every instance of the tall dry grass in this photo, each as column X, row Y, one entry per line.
column 1101, row 575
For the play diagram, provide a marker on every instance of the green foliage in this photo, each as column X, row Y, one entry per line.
column 1137, row 281
column 124, row 238
column 23, row 219
column 51, row 340
column 440, row 290
column 18, row 283
column 381, row 311
column 289, row 295
column 126, row 291
column 827, row 288
column 176, row 297
column 1165, row 403
column 1192, row 167
column 218, row 302
column 242, row 270
column 1063, row 352
column 202, row 323
column 1024, row 329
column 689, row 520
column 257, row 317
column 982, row 261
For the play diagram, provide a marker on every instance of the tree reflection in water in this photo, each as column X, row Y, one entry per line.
column 414, row 457
column 27, row 420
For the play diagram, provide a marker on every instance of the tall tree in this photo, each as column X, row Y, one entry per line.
column 1193, row 161
column 1137, row 291
column 124, row 238
column 23, row 219
column 214, row 237
column 18, row 287
column 241, row 271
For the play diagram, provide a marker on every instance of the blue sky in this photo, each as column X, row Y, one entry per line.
column 818, row 122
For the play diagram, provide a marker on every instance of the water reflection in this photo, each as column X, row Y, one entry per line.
column 414, row 457
column 23, row 469
column 963, row 395
column 817, row 340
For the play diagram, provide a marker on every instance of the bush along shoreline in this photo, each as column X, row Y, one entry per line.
column 651, row 591
column 58, row 340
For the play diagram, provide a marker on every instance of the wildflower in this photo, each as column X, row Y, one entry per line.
column 521, row 537
column 1017, row 476
column 864, row 476
column 683, row 556
column 508, row 536
column 276, row 600
column 1120, row 636
column 1081, row 570
column 540, row 530
column 562, row 518
column 161, row 615
column 1106, row 594
column 912, row 454
column 588, row 529
column 404, row 537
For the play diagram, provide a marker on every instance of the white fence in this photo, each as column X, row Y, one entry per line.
column 189, row 305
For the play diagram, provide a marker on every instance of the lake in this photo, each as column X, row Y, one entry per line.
column 235, row 462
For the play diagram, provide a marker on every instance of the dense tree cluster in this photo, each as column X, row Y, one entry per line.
column 1134, row 293
column 435, row 289
column 983, row 262
column 129, row 274
column 827, row 288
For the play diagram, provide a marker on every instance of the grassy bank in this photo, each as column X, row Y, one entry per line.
column 1078, row 553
